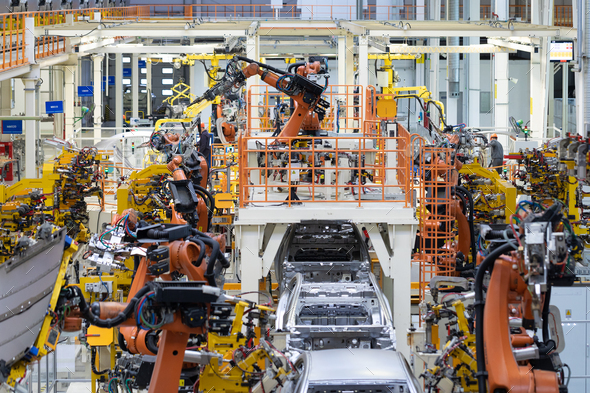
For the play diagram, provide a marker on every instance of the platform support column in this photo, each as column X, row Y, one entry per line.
column 31, row 127
column 97, row 72
column 69, row 99
column 253, row 52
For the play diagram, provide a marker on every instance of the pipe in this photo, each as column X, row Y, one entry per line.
column 586, row 65
column 21, row 118
column 487, row 263
column 201, row 245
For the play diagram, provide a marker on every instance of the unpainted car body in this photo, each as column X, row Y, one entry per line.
column 353, row 370
column 329, row 297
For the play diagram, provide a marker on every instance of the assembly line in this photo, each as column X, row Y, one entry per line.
column 262, row 200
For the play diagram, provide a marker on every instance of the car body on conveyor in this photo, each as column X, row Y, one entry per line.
column 354, row 370
column 329, row 297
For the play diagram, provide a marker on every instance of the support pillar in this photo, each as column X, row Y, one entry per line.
column 135, row 85
column 581, row 8
column 350, row 59
column 473, row 65
column 30, row 129
column 192, row 76
column 565, row 69
column 97, row 70
column 148, row 85
column 119, row 90
column 420, row 11
column 69, row 99
column 501, row 92
column 363, row 61
column 342, row 71
column 501, row 88
column 537, row 80
column 453, row 69
column 420, row 71
column 5, row 98
column 252, row 52
column 434, row 7
column 363, row 69
column 549, row 118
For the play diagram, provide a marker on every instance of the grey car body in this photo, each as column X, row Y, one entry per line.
column 355, row 370
column 329, row 297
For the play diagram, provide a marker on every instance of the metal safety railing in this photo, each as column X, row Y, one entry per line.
column 13, row 29
column 266, row 106
column 49, row 45
column 215, row 12
column 563, row 15
column 434, row 179
column 13, row 41
column 223, row 154
column 323, row 170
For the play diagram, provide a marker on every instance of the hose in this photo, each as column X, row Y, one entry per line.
column 151, row 342
column 90, row 312
column 297, row 64
column 157, row 234
column 122, row 343
column 93, row 363
column 261, row 65
column 136, row 262
column 201, row 245
column 467, row 194
column 487, row 263
column 215, row 254
column 211, row 205
column 497, row 234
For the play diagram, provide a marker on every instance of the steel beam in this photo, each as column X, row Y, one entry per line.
column 352, row 27
column 484, row 48
column 474, row 31
column 511, row 47
column 157, row 49
column 144, row 32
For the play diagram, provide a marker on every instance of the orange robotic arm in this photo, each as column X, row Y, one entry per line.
column 306, row 93
column 504, row 372
column 304, row 101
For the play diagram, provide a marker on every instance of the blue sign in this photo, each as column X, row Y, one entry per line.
column 85, row 91
column 141, row 63
column 54, row 107
column 12, row 126
column 126, row 72
column 111, row 80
